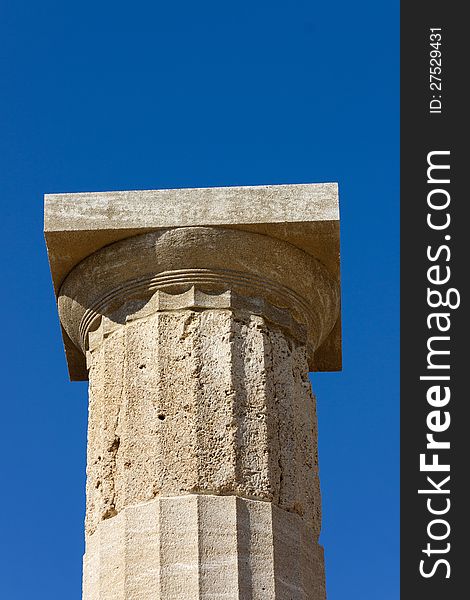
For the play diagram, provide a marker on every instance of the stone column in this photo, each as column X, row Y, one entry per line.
column 202, row 469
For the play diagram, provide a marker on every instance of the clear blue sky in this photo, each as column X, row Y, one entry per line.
column 112, row 95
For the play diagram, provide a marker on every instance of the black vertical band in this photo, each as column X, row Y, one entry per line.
column 434, row 292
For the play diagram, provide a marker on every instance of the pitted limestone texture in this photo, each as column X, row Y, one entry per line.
column 201, row 401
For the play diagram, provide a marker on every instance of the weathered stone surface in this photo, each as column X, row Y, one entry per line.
column 203, row 547
column 212, row 401
column 202, row 468
column 305, row 216
column 86, row 222
column 125, row 275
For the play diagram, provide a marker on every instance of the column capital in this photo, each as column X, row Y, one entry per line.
column 115, row 255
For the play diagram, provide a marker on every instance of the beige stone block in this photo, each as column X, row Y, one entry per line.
column 203, row 547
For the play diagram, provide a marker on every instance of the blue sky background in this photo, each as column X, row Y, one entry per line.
column 110, row 95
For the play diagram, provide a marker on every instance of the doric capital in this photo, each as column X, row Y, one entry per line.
column 273, row 248
column 200, row 267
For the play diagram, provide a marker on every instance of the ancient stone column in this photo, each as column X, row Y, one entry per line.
column 197, row 339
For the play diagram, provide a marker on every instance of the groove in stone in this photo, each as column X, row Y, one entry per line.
column 236, row 417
